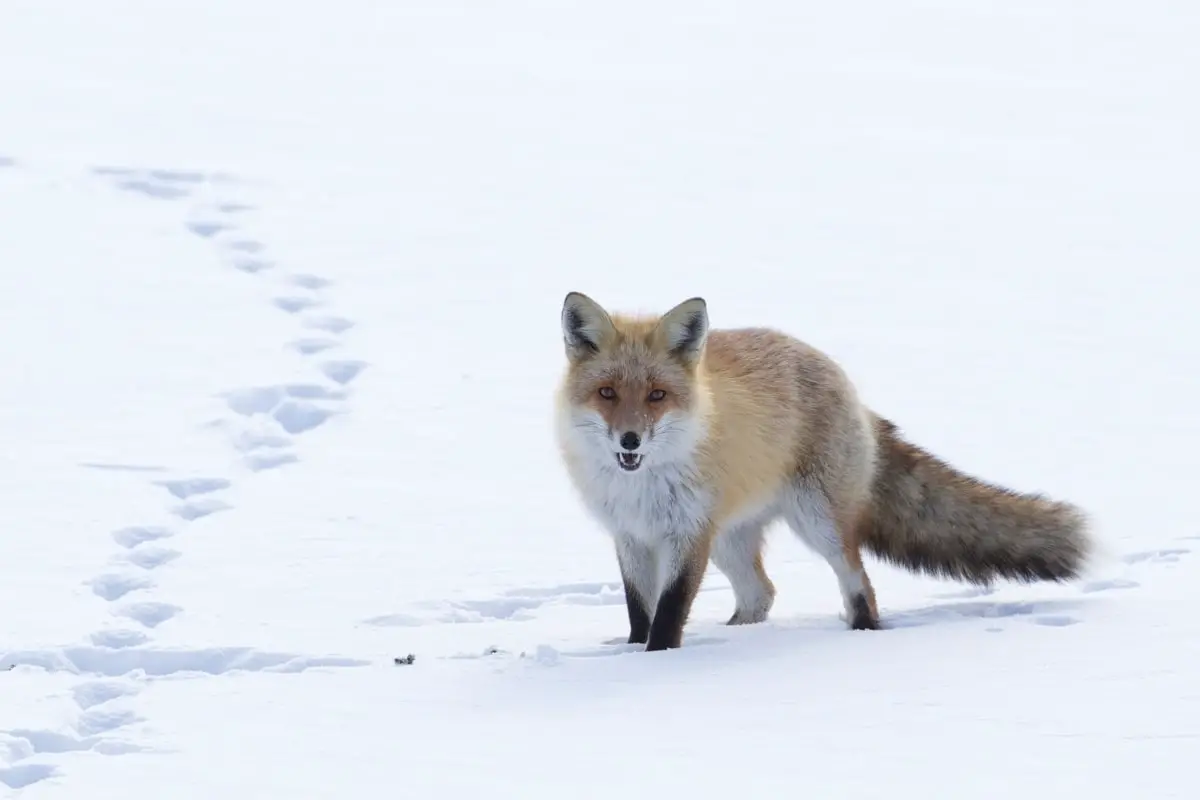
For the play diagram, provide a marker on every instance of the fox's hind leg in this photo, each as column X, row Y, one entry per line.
column 834, row 537
column 738, row 554
column 861, row 611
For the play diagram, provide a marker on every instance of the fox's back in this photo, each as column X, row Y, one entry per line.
column 780, row 408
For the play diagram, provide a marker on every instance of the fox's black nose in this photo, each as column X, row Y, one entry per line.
column 630, row 440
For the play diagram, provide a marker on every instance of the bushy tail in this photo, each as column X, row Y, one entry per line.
column 928, row 517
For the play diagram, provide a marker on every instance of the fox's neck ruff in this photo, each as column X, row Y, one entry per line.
column 658, row 501
column 663, row 498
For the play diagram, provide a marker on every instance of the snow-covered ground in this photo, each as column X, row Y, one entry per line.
column 279, row 286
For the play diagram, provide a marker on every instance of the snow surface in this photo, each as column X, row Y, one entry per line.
column 280, row 287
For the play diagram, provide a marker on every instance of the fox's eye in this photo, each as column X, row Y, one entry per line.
column 656, row 395
column 608, row 393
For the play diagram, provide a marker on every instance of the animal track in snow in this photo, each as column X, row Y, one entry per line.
column 255, row 400
column 257, row 462
column 548, row 656
column 311, row 346
column 177, row 176
column 155, row 184
column 328, row 323
column 183, row 489
column 252, row 266
column 261, row 422
column 294, row 304
column 149, row 557
column 91, row 731
column 248, row 441
column 19, row 776
column 113, row 587
column 98, row 720
column 1108, row 585
column 589, row 593
column 312, row 391
column 245, row 246
column 1165, row 556
column 1158, row 556
column 297, row 416
column 1040, row 612
column 51, row 742
column 514, row 604
column 158, row 191
column 207, row 230
column 122, row 467
column 116, row 172
column 343, row 371
column 133, row 536
column 313, row 282
column 150, row 613
column 119, row 639
column 263, row 447
column 45, row 741
column 161, row 662
column 290, row 406
column 268, row 399
column 94, row 693
column 193, row 510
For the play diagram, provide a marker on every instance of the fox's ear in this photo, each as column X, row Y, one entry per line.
column 585, row 326
column 685, row 329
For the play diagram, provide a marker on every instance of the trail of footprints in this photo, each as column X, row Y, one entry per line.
column 263, row 424
column 512, row 605
column 1054, row 613
column 524, row 604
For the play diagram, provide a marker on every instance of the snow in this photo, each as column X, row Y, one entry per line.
column 280, row 286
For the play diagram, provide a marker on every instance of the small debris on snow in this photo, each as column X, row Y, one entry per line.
column 403, row 661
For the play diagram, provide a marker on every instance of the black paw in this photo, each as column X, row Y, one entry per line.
column 861, row 618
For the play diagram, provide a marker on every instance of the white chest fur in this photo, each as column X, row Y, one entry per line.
column 653, row 504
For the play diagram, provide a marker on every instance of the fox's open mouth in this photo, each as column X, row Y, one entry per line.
column 629, row 461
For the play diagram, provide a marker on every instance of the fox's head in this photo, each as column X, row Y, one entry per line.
column 631, row 387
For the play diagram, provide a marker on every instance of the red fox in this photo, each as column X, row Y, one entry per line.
column 685, row 444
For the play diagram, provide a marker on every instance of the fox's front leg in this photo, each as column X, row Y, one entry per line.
column 639, row 574
column 681, row 565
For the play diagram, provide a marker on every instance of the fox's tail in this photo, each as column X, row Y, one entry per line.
column 928, row 517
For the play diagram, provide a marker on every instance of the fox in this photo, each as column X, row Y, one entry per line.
column 686, row 443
